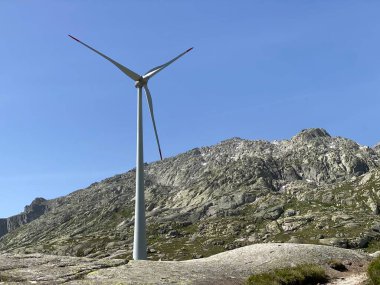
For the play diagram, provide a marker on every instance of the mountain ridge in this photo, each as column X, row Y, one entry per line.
column 234, row 193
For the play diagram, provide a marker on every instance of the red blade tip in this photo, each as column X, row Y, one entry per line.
column 189, row 49
column 74, row 38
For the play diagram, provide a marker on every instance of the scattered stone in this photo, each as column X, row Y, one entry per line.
column 273, row 213
column 294, row 239
column 375, row 254
column 347, row 262
column 290, row 213
column 173, row 234
column 338, row 242
column 376, row 227
column 151, row 250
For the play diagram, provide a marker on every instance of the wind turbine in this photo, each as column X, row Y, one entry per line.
column 139, row 242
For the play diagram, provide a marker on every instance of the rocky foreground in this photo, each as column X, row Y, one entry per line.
column 232, row 267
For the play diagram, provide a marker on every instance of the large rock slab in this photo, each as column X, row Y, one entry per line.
column 48, row 269
column 231, row 267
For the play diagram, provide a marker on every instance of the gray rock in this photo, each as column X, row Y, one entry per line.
column 376, row 227
column 294, row 240
column 31, row 212
column 338, row 242
column 375, row 254
column 311, row 134
column 290, row 213
column 173, row 233
column 273, row 213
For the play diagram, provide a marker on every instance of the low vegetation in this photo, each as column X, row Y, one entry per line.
column 305, row 274
column 374, row 272
column 337, row 265
column 4, row 278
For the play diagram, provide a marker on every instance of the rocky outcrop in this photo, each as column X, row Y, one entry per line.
column 376, row 148
column 308, row 135
column 49, row 269
column 31, row 212
column 3, row 227
column 216, row 198
column 232, row 267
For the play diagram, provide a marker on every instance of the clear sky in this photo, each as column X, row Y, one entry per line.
column 259, row 70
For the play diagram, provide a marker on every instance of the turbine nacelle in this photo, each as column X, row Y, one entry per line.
column 141, row 82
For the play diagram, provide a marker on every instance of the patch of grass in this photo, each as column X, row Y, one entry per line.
column 374, row 245
column 374, row 272
column 80, row 252
column 4, row 278
column 305, row 274
column 337, row 265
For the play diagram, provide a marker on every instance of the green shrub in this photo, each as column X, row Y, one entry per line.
column 300, row 275
column 374, row 272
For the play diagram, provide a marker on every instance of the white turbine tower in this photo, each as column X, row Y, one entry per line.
column 139, row 242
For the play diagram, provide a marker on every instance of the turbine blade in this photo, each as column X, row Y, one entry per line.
column 150, row 103
column 157, row 69
column 134, row 76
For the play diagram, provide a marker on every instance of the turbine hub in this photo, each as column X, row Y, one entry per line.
column 141, row 82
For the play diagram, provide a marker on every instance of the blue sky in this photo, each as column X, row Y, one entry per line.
column 259, row 70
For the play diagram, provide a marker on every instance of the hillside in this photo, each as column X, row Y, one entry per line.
column 313, row 188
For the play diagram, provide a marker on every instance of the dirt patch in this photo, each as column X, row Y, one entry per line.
column 354, row 279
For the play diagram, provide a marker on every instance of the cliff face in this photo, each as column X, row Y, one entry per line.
column 313, row 188
column 31, row 212
column 3, row 227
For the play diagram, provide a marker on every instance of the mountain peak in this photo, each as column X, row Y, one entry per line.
column 312, row 133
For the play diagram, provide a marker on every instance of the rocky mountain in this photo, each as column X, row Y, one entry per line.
column 313, row 188
column 31, row 212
